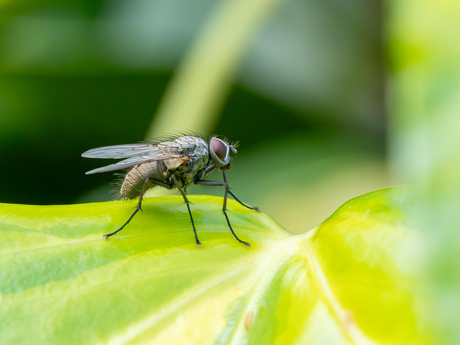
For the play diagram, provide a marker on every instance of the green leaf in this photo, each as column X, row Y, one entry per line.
column 351, row 280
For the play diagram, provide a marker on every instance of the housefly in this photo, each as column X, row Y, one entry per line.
column 173, row 163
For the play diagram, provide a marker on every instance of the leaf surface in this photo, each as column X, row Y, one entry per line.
column 351, row 280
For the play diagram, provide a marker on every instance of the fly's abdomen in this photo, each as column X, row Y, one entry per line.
column 135, row 178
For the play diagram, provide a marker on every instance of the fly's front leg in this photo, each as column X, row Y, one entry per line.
column 224, row 208
column 198, row 243
column 139, row 204
column 242, row 203
column 209, row 170
column 205, row 172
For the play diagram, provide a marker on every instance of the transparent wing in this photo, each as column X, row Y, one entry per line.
column 135, row 154
column 122, row 151
column 126, row 163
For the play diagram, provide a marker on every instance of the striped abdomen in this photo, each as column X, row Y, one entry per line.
column 135, row 178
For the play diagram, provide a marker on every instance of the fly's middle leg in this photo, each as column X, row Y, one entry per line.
column 139, row 204
column 198, row 243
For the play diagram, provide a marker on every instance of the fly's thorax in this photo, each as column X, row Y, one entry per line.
column 191, row 146
column 186, row 145
column 183, row 152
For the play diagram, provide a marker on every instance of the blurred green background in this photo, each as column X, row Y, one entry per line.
column 300, row 85
column 329, row 100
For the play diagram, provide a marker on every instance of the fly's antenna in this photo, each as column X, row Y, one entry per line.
column 234, row 146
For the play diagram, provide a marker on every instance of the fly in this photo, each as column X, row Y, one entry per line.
column 175, row 163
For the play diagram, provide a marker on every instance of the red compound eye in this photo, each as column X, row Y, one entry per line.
column 219, row 148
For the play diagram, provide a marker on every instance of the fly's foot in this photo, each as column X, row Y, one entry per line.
column 255, row 208
column 106, row 236
column 198, row 243
column 246, row 243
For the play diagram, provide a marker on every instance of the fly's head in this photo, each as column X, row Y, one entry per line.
column 219, row 150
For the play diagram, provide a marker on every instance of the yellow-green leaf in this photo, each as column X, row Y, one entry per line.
column 349, row 281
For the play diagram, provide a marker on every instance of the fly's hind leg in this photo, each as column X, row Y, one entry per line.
column 139, row 204
column 198, row 243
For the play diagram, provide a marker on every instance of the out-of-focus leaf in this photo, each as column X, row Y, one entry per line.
column 424, row 150
column 349, row 281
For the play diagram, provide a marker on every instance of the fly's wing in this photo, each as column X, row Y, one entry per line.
column 121, row 151
column 137, row 160
column 137, row 153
